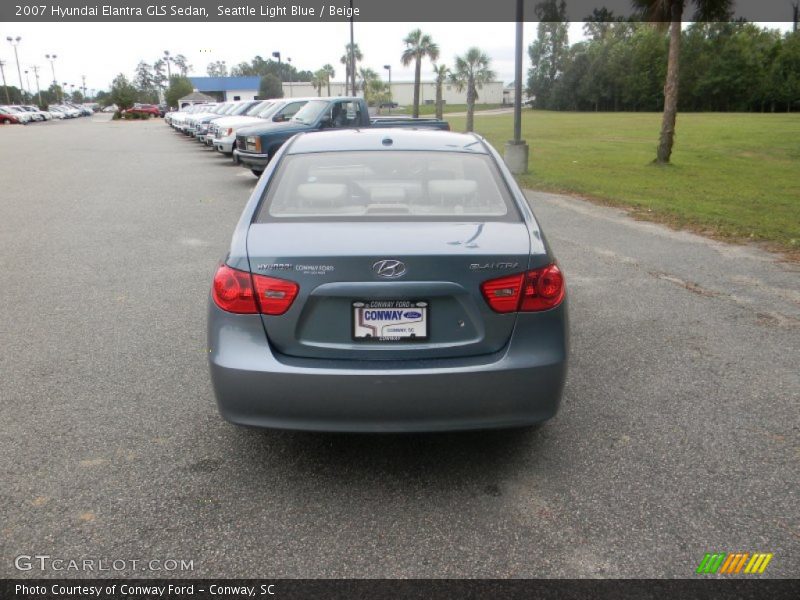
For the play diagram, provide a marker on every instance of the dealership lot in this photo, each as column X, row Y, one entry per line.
column 678, row 434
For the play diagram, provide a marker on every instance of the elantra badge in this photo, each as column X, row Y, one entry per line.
column 389, row 268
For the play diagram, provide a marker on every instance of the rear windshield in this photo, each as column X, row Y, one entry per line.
column 387, row 185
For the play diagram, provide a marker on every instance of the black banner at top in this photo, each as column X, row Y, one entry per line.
column 342, row 10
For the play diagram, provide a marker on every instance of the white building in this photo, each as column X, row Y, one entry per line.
column 403, row 92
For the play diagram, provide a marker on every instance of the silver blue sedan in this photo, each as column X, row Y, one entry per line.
column 388, row 280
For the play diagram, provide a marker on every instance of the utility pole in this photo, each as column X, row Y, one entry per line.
column 795, row 15
column 38, row 89
column 352, row 54
column 27, row 83
column 83, row 77
column 5, row 87
column 516, row 151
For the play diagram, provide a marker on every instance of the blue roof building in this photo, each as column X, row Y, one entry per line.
column 228, row 88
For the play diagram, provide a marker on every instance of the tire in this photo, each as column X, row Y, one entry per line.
column 256, row 172
column 6, row 121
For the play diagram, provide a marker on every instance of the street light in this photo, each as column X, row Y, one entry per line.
column 5, row 87
column 52, row 58
column 291, row 79
column 280, row 68
column 15, row 42
column 389, row 68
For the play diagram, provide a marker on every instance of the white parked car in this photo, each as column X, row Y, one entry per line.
column 14, row 114
column 36, row 114
column 178, row 118
column 224, row 129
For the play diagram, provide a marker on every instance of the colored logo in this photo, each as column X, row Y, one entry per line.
column 734, row 563
column 412, row 314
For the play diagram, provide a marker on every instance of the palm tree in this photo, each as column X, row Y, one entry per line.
column 366, row 76
column 352, row 56
column 472, row 71
column 671, row 11
column 418, row 46
column 318, row 80
column 440, row 72
column 329, row 74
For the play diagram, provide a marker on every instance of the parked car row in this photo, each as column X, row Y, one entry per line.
column 24, row 114
column 252, row 131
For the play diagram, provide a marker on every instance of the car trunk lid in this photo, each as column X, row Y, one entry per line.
column 339, row 265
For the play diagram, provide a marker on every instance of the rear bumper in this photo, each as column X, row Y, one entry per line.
column 255, row 386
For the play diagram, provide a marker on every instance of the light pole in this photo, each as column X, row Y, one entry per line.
column 27, row 83
column 277, row 55
column 5, row 87
column 516, row 151
column 52, row 58
column 83, row 78
column 38, row 89
column 291, row 79
column 389, row 68
column 352, row 53
column 15, row 42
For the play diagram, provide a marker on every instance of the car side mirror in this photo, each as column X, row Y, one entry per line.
column 279, row 118
column 326, row 122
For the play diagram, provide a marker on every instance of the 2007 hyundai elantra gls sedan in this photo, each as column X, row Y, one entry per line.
column 388, row 280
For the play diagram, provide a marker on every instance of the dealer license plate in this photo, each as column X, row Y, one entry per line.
column 390, row 320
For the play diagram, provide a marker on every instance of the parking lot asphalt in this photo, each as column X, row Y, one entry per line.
column 678, row 433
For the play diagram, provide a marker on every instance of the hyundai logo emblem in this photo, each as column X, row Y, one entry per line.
column 389, row 268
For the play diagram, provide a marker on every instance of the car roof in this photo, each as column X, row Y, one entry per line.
column 402, row 138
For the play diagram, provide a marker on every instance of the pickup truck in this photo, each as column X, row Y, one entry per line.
column 256, row 144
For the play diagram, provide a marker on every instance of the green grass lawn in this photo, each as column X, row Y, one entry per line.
column 732, row 175
column 430, row 109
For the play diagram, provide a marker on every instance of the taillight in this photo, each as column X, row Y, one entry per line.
column 503, row 294
column 543, row 289
column 536, row 290
column 274, row 295
column 233, row 291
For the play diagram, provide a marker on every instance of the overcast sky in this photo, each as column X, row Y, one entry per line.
column 101, row 50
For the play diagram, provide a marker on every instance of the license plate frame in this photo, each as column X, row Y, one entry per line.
column 358, row 307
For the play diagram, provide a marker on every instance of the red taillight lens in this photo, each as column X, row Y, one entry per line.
column 503, row 294
column 274, row 295
column 233, row 291
column 531, row 291
column 544, row 288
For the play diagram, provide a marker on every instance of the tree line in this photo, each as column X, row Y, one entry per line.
column 622, row 66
